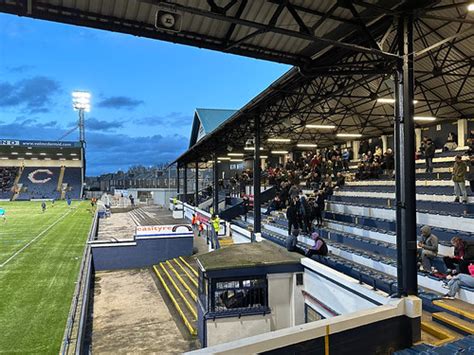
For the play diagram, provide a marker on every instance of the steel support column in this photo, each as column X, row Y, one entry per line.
column 215, row 200
column 196, row 186
column 177, row 178
column 405, row 183
column 257, row 218
column 185, row 183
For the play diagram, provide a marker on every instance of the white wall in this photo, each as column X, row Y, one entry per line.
column 279, row 295
column 223, row 330
column 337, row 291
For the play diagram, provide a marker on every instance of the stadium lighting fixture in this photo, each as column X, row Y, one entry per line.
column 306, row 145
column 75, row 158
column 279, row 140
column 321, row 126
column 385, row 100
column 81, row 100
column 42, row 153
column 236, row 160
column 349, row 135
column 59, row 153
column 470, row 7
column 263, row 156
column 73, row 154
column 279, row 152
column 235, row 154
column 251, row 148
column 389, row 100
column 223, row 158
column 14, row 153
column 424, row 118
column 28, row 153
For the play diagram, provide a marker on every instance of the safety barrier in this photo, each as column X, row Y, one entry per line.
column 74, row 343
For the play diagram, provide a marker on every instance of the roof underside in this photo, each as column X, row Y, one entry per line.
column 343, row 53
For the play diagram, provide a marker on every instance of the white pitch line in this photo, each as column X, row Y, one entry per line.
column 31, row 241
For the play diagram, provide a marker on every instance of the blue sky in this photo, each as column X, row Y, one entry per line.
column 144, row 91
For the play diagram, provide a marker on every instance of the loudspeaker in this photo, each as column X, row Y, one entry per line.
column 168, row 18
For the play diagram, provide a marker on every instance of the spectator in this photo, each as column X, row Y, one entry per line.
column 305, row 213
column 463, row 256
column 456, row 282
column 292, row 239
column 245, row 206
column 451, row 143
column 428, row 248
column 319, row 207
column 275, row 205
column 291, row 215
column 459, row 179
column 340, row 180
column 345, row 159
column 429, row 153
column 378, row 151
column 470, row 174
column 319, row 247
column 470, row 146
column 388, row 162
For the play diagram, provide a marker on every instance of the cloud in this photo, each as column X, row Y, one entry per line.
column 95, row 124
column 33, row 95
column 172, row 119
column 120, row 102
column 20, row 68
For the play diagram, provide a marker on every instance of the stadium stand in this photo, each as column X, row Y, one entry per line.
column 7, row 180
column 359, row 227
column 72, row 180
column 39, row 183
column 40, row 170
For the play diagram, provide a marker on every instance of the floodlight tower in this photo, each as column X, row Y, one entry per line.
column 81, row 102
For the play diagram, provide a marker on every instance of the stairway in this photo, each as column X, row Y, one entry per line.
column 17, row 188
column 60, row 179
column 462, row 346
column 180, row 281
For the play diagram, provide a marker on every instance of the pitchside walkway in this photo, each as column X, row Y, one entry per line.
column 134, row 310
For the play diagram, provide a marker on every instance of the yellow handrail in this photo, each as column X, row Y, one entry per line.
column 189, row 266
column 188, row 325
column 190, row 307
column 186, row 272
column 193, row 295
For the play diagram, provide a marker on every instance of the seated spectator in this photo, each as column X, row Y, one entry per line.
column 319, row 247
column 451, row 143
column 292, row 239
column 459, row 179
column 428, row 249
column 340, row 180
column 470, row 146
column 456, row 282
column 275, row 205
column 378, row 151
column 463, row 256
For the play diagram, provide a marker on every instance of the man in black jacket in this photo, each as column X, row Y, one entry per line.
column 429, row 155
column 292, row 215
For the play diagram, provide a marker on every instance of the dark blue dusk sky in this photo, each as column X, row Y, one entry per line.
column 144, row 92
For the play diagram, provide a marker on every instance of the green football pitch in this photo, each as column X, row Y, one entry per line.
column 40, row 256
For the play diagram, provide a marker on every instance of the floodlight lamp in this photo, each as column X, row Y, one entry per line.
column 424, row 118
column 470, row 7
column 321, row 126
column 349, row 135
column 281, row 140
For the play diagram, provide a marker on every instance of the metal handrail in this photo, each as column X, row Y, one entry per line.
column 86, row 260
